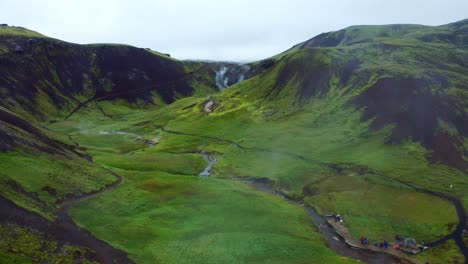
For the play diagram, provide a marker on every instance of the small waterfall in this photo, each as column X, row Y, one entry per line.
column 221, row 79
column 229, row 74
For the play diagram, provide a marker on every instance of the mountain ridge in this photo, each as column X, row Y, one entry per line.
column 370, row 122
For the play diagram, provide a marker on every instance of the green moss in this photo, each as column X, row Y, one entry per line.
column 30, row 246
column 19, row 31
column 300, row 107
column 56, row 173
column 10, row 258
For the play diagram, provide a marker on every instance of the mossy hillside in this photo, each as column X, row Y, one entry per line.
column 19, row 245
column 326, row 129
column 53, row 77
column 48, row 179
column 306, row 132
column 19, row 31
column 40, row 167
column 315, row 102
column 292, row 174
column 12, row 258
column 451, row 33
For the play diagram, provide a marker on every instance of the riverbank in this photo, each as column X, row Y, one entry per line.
column 343, row 232
column 335, row 238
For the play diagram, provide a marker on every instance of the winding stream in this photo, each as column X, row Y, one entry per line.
column 211, row 160
column 332, row 239
column 457, row 234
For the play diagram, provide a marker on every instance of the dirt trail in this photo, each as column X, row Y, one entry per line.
column 64, row 229
column 105, row 253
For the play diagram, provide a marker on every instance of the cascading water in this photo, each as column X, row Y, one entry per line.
column 221, row 79
column 229, row 74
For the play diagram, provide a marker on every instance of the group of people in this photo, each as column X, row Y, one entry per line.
column 383, row 244
column 400, row 242
column 364, row 241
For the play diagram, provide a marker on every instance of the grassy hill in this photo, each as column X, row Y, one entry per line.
column 369, row 121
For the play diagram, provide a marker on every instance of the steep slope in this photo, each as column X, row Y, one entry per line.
column 44, row 77
column 409, row 76
column 360, row 127
column 42, row 80
column 370, row 122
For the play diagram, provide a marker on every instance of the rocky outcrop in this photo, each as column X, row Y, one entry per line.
column 210, row 106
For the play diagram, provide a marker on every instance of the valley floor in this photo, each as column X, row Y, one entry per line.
column 163, row 212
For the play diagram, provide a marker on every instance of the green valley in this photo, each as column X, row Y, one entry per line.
column 105, row 143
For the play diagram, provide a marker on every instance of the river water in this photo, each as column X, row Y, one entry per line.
column 332, row 239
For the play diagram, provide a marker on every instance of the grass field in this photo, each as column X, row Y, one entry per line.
column 345, row 122
column 380, row 212
column 47, row 179
column 300, row 124
column 159, row 214
column 446, row 253
column 164, row 218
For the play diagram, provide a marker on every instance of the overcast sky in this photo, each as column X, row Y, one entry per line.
column 239, row 30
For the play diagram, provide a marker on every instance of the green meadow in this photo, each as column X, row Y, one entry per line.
column 164, row 218
column 347, row 123
column 164, row 212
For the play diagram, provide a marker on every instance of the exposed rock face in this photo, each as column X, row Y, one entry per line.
column 229, row 74
column 51, row 73
column 210, row 106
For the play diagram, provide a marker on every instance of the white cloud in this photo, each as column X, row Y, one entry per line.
column 224, row 30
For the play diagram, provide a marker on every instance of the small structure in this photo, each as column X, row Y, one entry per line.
column 408, row 242
column 3, row 25
column 338, row 218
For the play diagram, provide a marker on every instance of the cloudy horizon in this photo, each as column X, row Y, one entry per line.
column 213, row 30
